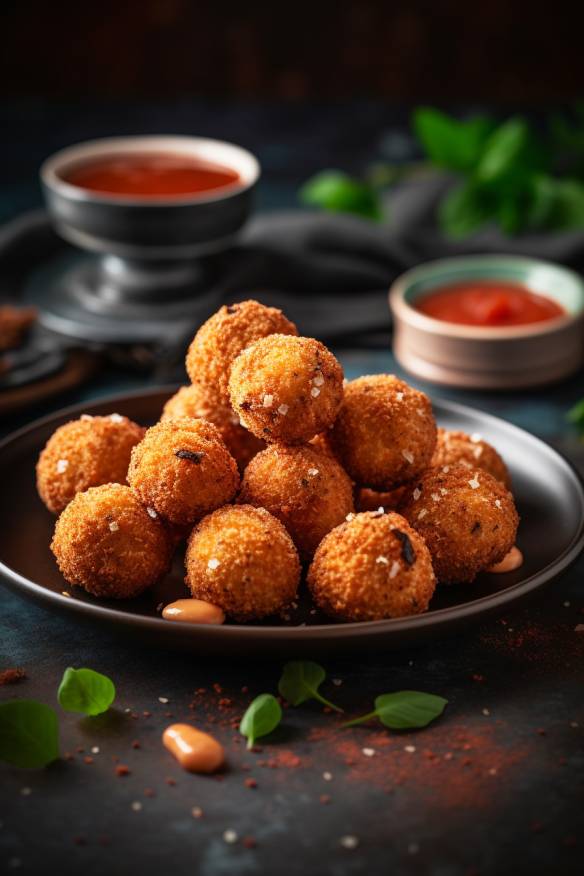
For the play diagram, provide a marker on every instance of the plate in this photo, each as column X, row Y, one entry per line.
column 549, row 497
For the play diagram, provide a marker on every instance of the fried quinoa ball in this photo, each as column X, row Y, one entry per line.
column 85, row 453
column 467, row 518
column 385, row 433
column 469, row 450
column 286, row 389
column 108, row 543
column 223, row 337
column 193, row 401
column 371, row 567
column 303, row 487
column 182, row 469
column 243, row 560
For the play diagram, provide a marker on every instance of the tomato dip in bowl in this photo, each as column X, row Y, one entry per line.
column 492, row 322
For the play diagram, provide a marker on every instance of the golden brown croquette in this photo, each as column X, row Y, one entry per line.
column 372, row 500
column 371, row 567
column 85, row 453
column 303, row 487
column 182, row 469
column 108, row 543
column 286, row 389
column 223, row 337
column 385, row 433
column 193, row 401
column 469, row 450
column 243, row 560
column 467, row 518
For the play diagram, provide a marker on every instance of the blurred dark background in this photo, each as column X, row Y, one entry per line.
column 407, row 51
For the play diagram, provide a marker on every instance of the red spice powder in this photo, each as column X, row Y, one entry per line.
column 460, row 768
column 122, row 770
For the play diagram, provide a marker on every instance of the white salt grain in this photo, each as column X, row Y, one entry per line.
column 62, row 465
column 213, row 563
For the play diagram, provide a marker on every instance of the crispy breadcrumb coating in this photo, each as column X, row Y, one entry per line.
column 385, row 432
column 85, row 453
column 182, row 469
column 242, row 559
column 286, row 389
column 303, row 487
column 106, row 542
column 223, row 337
column 371, row 567
column 467, row 518
column 193, row 401
column 469, row 450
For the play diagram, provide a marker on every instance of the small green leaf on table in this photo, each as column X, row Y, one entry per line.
column 29, row 734
column 300, row 682
column 86, row 691
column 404, row 710
column 261, row 717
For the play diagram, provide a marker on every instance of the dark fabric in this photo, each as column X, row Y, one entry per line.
column 329, row 272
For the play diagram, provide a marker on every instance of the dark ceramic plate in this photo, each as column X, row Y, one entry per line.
column 548, row 492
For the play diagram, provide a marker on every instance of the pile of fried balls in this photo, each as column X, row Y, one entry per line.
column 269, row 461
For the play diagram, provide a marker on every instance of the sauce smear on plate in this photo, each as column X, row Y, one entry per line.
column 150, row 174
column 488, row 303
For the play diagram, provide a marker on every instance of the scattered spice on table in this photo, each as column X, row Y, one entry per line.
column 12, row 676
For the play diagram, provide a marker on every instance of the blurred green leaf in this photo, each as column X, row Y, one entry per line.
column 29, row 734
column 463, row 210
column 448, row 142
column 510, row 154
column 337, row 192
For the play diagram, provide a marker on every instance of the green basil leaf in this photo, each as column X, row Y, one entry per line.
column 451, row 143
column 408, row 708
column 464, row 210
column 261, row 717
column 300, row 682
column 86, row 691
column 337, row 192
column 29, row 733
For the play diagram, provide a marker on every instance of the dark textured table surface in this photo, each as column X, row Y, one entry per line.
column 494, row 787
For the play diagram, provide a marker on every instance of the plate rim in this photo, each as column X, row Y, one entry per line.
column 482, row 606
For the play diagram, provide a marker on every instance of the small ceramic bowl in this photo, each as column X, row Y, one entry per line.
column 171, row 227
column 489, row 357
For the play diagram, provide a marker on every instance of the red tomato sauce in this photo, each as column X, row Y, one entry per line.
column 150, row 174
column 488, row 303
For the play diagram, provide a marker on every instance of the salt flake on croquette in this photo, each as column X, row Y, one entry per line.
column 273, row 390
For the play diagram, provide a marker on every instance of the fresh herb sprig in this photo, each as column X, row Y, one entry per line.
column 404, row 710
column 300, row 682
column 261, row 717
column 508, row 174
